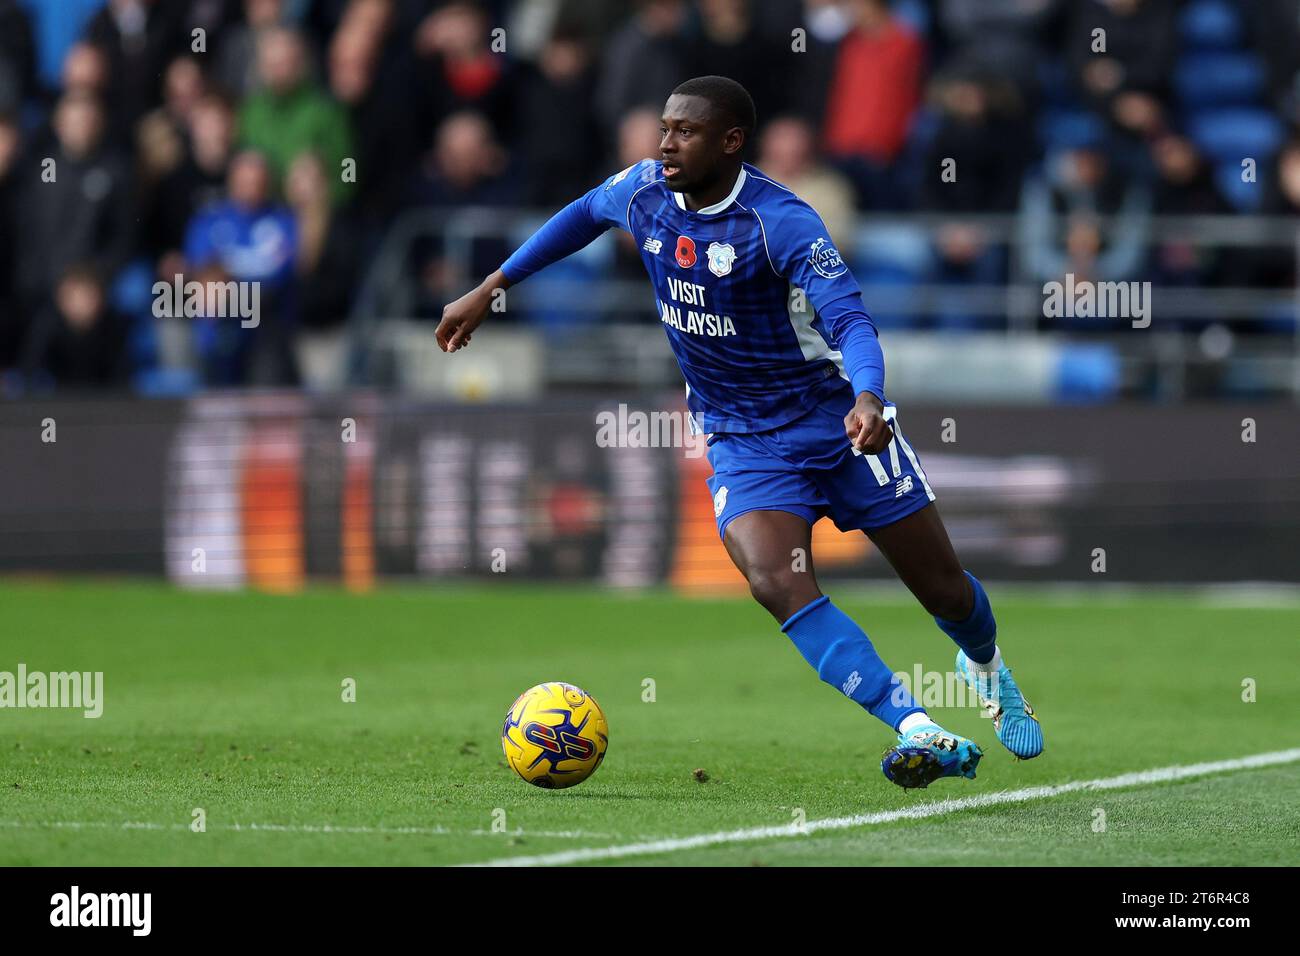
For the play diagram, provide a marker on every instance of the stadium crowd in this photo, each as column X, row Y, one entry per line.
column 277, row 140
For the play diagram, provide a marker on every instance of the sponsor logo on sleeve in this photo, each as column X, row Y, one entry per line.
column 825, row 259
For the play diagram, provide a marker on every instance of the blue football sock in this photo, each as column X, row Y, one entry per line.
column 845, row 658
column 977, row 634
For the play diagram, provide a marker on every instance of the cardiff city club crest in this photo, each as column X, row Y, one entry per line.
column 721, row 256
column 825, row 259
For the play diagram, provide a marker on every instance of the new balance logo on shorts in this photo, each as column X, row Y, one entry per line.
column 903, row 486
column 851, row 684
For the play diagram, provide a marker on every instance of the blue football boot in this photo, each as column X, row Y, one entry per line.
column 928, row 753
column 1013, row 718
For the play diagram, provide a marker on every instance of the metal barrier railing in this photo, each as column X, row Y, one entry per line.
column 391, row 286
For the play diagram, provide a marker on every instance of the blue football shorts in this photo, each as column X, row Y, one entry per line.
column 807, row 467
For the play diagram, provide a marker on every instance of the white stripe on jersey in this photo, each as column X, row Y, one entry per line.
column 811, row 343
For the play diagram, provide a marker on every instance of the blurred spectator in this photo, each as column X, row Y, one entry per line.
column 372, row 74
column 1284, row 186
column 638, row 139
column 731, row 44
column 800, row 72
column 78, row 206
column 11, row 324
column 141, row 139
column 1129, row 82
column 1184, row 187
column 327, row 269
column 1275, row 32
column 999, row 37
column 138, row 37
column 982, row 129
column 467, row 166
column 56, row 27
column 86, row 70
column 558, row 127
column 247, row 238
column 787, row 153
column 1276, row 266
column 77, row 341
column 1061, row 211
column 160, row 142
column 643, row 61
column 17, row 57
column 183, row 87
column 874, row 94
column 289, row 114
column 197, row 181
column 236, row 69
column 974, row 165
column 457, row 70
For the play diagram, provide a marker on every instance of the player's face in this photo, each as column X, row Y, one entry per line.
column 694, row 144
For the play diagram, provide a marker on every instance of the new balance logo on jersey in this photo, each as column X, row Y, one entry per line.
column 851, row 684
column 652, row 246
column 902, row 486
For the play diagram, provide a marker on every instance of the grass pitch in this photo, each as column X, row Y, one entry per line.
column 232, row 703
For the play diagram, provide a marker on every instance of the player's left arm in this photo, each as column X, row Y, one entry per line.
column 575, row 226
column 803, row 253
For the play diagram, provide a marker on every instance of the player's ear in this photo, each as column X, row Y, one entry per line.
column 733, row 140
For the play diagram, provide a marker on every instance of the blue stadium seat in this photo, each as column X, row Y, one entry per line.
column 1087, row 373
column 1070, row 129
column 131, row 290
column 1211, row 79
column 1054, row 81
column 1232, row 134
column 165, row 382
column 1211, row 25
column 894, row 253
column 892, row 257
column 1244, row 197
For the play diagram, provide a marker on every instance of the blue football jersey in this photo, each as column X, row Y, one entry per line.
column 763, row 315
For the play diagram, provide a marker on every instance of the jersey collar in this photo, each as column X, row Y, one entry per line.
column 717, row 207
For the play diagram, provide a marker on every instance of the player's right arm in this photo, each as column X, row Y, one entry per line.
column 572, row 228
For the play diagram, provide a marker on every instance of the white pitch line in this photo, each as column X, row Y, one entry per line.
column 939, row 808
column 297, row 828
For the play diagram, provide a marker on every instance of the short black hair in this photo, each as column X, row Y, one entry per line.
column 727, row 96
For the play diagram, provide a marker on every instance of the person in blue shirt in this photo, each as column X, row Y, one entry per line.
column 785, row 374
column 249, row 238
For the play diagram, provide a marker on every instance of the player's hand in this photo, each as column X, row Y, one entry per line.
column 866, row 427
column 462, row 317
